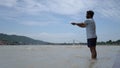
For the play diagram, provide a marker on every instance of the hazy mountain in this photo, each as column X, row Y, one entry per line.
column 19, row 40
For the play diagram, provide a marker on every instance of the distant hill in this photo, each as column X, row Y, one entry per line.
column 19, row 40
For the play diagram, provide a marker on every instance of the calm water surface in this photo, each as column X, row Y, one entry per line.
column 48, row 56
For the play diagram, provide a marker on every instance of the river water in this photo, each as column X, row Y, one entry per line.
column 56, row 56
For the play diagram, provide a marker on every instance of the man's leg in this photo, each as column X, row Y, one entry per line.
column 93, row 52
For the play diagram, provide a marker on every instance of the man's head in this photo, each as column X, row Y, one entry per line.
column 89, row 14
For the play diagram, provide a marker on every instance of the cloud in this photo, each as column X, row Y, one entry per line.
column 109, row 9
column 37, row 23
column 56, row 6
column 64, row 7
column 8, row 3
column 30, row 6
column 74, row 9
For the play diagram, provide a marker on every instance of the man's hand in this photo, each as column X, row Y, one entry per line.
column 73, row 23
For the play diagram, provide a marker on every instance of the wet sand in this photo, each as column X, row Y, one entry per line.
column 57, row 57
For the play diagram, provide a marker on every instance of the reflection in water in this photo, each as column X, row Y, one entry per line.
column 92, row 63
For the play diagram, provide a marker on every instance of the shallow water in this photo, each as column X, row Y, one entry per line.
column 49, row 56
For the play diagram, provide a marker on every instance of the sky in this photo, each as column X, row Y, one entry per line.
column 49, row 20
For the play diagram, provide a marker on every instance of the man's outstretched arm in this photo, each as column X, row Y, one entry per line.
column 79, row 24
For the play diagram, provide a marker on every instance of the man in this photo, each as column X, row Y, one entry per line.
column 91, row 32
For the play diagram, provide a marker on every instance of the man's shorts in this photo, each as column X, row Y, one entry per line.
column 91, row 42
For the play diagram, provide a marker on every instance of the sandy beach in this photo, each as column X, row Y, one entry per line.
column 49, row 56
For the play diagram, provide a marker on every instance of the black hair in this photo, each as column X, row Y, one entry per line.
column 90, row 12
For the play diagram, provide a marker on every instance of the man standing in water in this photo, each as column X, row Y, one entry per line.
column 91, row 32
